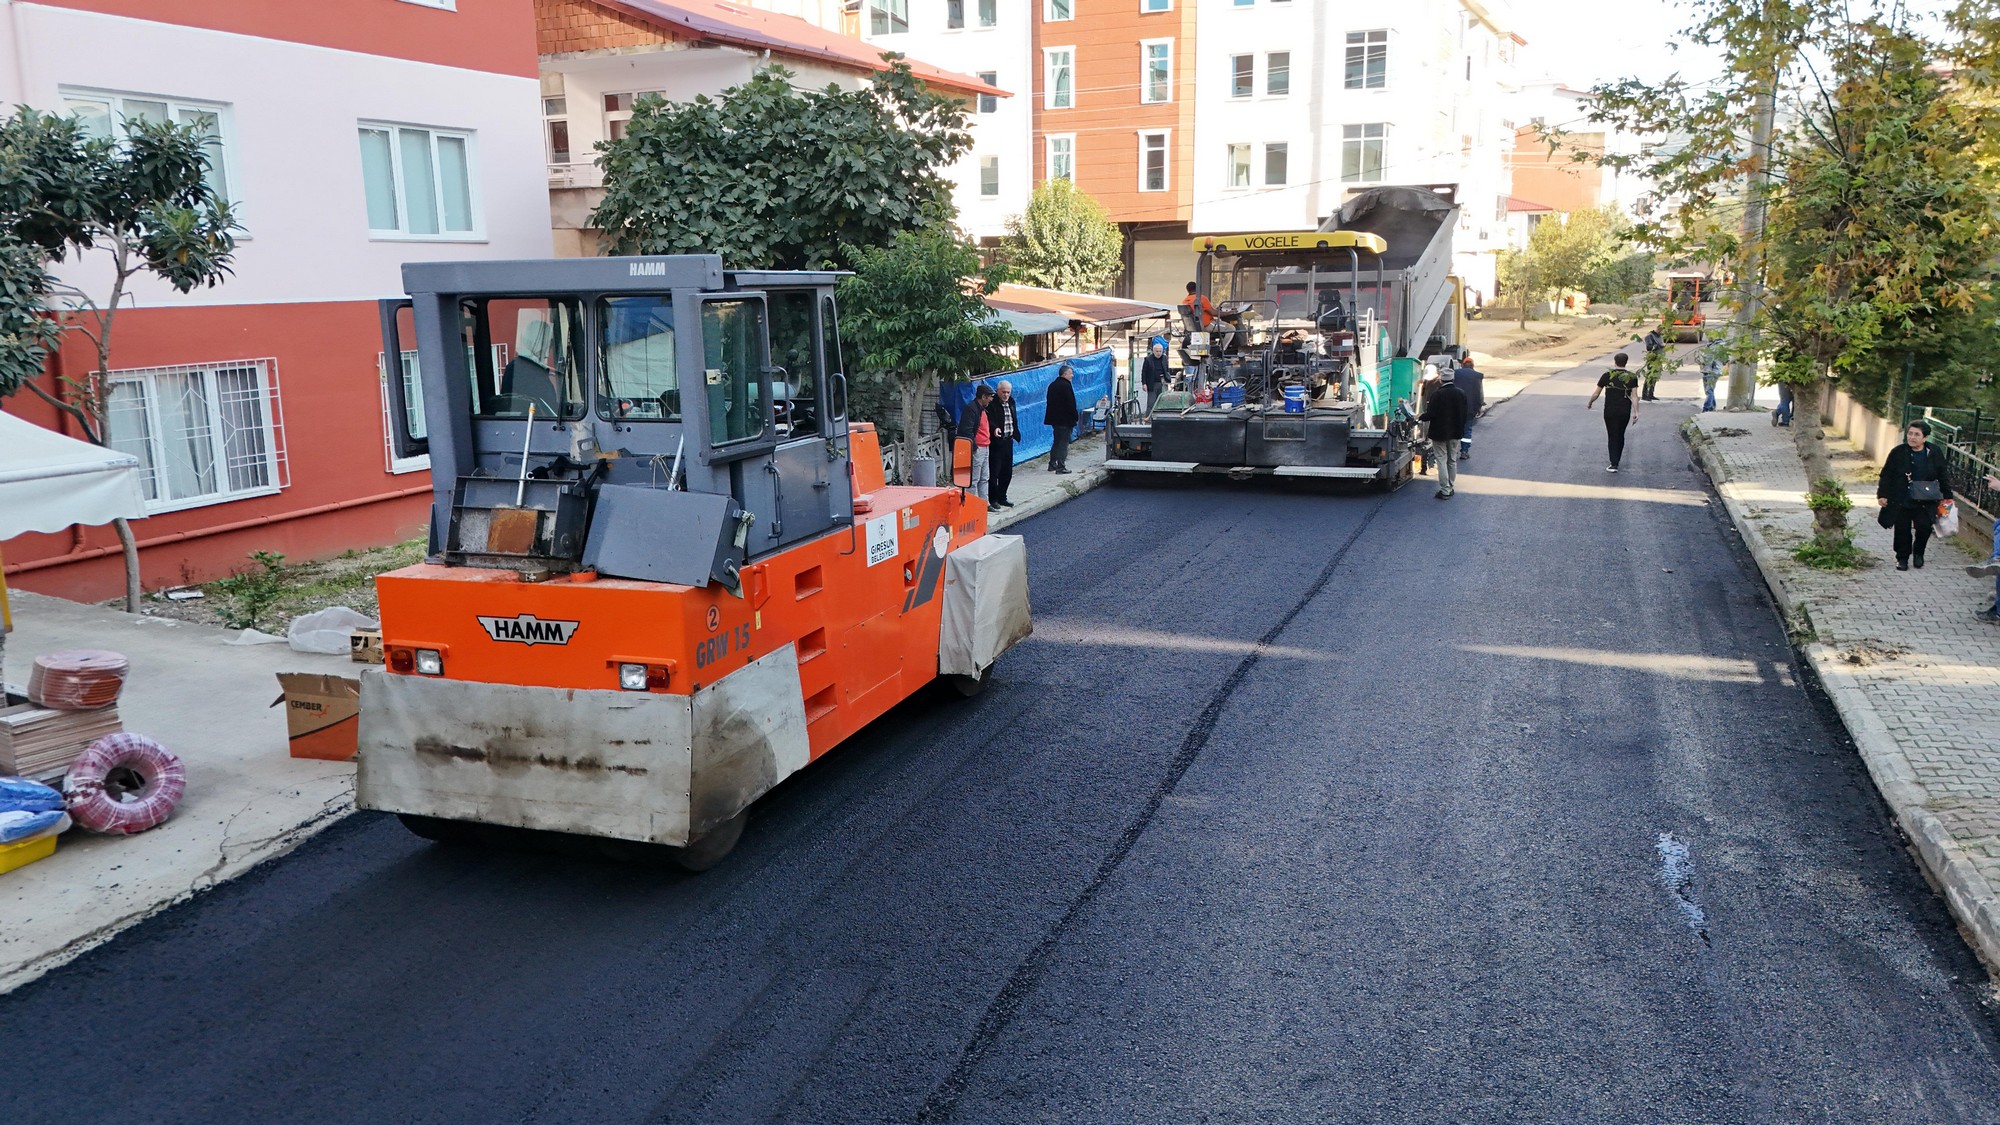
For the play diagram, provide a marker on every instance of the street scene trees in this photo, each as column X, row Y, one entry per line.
column 1063, row 240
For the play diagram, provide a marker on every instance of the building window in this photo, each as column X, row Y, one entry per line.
column 954, row 14
column 1361, row 148
column 618, row 110
column 1057, row 63
column 104, row 114
column 1367, row 60
column 1242, row 75
column 411, row 428
column 989, row 103
column 1055, row 10
column 888, row 17
column 555, row 115
column 1245, row 3
column 203, row 433
column 989, row 13
column 1278, row 74
column 1152, row 161
column 989, row 176
column 418, row 182
column 1062, row 157
column 1238, row 174
column 1156, row 77
column 1277, row 159
column 1156, row 5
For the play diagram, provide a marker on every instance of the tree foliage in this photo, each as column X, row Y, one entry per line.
column 768, row 175
column 145, row 200
column 913, row 313
column 1564, row 253
column 1064, row 240
column 1880, row 199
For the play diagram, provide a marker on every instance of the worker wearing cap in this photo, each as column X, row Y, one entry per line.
column 1444, row 415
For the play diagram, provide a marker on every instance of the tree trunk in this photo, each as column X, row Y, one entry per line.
column 131, row 546
column 1809, row 437
column 906, row 452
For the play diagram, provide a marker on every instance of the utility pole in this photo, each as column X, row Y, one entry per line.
column 1743, row 371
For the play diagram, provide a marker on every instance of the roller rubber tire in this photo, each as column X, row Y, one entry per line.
column 971, row 686
column 713, row 848
column 439, row 830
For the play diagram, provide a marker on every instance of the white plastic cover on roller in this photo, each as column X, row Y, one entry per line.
column 49, row 481
column 985, row 604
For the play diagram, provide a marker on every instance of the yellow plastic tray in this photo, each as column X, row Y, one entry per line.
column 25, row 852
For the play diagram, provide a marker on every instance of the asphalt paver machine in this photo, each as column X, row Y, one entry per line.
column 665, row 571
column 1310, row 365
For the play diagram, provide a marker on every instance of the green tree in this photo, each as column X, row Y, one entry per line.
column 913, row 311
column 769, row 175
column 1881, row 201
column 1564, row 253
column 1064, row 240
column 144, row 200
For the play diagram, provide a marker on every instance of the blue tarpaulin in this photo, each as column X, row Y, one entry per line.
column 1092, row 381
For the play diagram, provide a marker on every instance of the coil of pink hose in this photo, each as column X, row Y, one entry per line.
column 81, row 680
column 124, row 783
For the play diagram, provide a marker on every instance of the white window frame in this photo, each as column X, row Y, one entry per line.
column 1362, row 139
column 887, row 9
column 1153, row 7
column 1049, row 11
column 1145, row 67
column 1364, row 46
column 1049, row 76
column 549, row 121
column 1248, row 152
column 1166, row 159
column 475, row 209
column 1049, row 154
column 983, row 104
column 983, row 162
column 982, row 8
column 1249, row 91
column 622, row 116
column 1267, row 74
column 158, row 442
column 1286, row 148
column 225, row 125
column 413, row 391
column 961, row 25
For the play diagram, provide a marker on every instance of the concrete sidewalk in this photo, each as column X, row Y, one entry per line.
column 1910, row 669
column 247, row 799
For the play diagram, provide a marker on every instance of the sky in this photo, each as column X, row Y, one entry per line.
column 1584, row 44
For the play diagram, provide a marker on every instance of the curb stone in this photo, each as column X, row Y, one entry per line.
column 1971, row 897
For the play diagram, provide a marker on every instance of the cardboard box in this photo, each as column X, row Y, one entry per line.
column 323, row 714
column 365, row 646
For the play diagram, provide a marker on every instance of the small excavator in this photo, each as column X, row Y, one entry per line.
column 665, row 571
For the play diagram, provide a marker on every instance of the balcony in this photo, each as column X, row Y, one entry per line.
column 582, row 174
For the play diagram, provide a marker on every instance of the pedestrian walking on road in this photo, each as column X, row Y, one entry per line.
column 1912, row 484
column 1991, row 567
column 1656, row 346
column 1004, row 423
column 1444, row 417
column 1711, row 373
column 1782, row 416
column 1472, row 385
column 1059, row 411
column 1153, row 376
column 976, row 428
column 1617, row 386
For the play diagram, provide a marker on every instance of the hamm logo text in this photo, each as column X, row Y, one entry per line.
column 528, row 629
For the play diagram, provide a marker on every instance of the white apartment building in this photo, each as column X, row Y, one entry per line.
column 1300, row 104
column 992, row 39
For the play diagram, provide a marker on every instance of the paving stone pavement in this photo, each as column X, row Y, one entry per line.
column 1909, row 667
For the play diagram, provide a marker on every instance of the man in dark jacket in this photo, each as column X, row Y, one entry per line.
column 1004, row 420
column 1444, row 413
column 1060, row 414
column 1472, row 384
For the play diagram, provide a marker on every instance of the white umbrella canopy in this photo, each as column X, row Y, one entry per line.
column 49, row 481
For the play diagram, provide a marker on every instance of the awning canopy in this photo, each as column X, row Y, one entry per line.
column 1030, row 323
column 49, row 481
column 1080, row 308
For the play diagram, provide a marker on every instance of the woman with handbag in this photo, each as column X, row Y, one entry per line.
column 1912, row 484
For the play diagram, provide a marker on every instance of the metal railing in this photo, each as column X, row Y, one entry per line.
column 930, row 447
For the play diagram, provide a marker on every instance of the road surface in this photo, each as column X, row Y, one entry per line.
column 1299, row 806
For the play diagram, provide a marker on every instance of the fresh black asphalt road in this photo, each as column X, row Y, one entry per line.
column 1299, row 806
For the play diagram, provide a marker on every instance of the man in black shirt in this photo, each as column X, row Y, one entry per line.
column 1445, row 411
column 1059, row 413
column 1620, row 411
